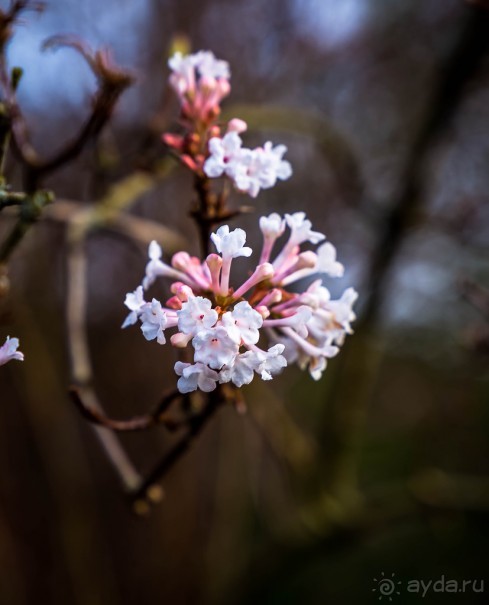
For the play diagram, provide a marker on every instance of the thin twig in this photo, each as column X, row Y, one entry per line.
column 81, row 367
column 30, row 211
column 112, row 83
column 137, row 423
column 196, row 425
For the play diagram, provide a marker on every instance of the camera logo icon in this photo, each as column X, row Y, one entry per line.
column 386, row 587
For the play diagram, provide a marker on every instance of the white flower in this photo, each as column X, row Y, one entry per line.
column 249, row 169
column 297, row 321
column 272, row 164
column 242, row 370
column 8, row 351
column 134, row 302
column 316, row 295
column 342, row 309
column 272, row 362
column 195, row 376
column 155, row 267
column 230, row 244
column 181, row 64
column 300, row 228
column 215, row 347
column 327, row 262
column 210, row 67
column 154, row 321
column 317, row 365
column 224, row 153
column 196, row 314
column 246, row 320
column 260, row 168
column 272, row 226
column 183, row 77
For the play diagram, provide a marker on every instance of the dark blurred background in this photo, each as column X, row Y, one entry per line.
column 383, row 465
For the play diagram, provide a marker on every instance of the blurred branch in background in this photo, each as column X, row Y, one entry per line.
column 356, row 370
column 112, row 82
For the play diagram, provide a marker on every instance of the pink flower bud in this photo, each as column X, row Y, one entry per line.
column 173, row 140
column 174, row 303
column 180, row 340
column 237, row 125
column 263, row 311
column 189, row 162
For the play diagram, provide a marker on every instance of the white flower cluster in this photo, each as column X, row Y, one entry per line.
column 201, row 82
column 8, row 351
column 249, row 169
column 224, row 325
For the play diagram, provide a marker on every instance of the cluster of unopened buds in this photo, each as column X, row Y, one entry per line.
column 9, row 350
column 201, row 82
column 226, row 325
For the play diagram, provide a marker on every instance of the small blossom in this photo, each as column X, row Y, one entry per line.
column 196, row 314
column 134, row 302
column 215, row 347
column 210, row 67
column 327, row 262
column 246, row 320
column 230, row 244
column 154, row 322
column 224, row 154
column 301, row 231
column 195, row 376
column 183, row 76
column 8, row 351
column 272, row 226
column 260, row 168
column 249, row 169
column 155, row 266
column 342, row 309
column 272, row 362
column 242, row 370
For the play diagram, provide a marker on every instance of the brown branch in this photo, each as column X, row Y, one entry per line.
column 137, row 423
column 30, row 211
column 196, row 425
column 476, row 295
column 112, row 82
column 81, row 367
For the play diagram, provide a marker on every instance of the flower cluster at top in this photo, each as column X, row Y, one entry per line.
column 8, row 351
column 201, row 82
column 225, row 327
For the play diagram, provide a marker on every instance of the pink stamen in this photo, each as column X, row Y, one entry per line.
column 309, row 348
column 271, row 298
column 262, row 272
column 225, row 273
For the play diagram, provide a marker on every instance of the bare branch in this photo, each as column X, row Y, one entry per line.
column 81, row 366
column 138, row 423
